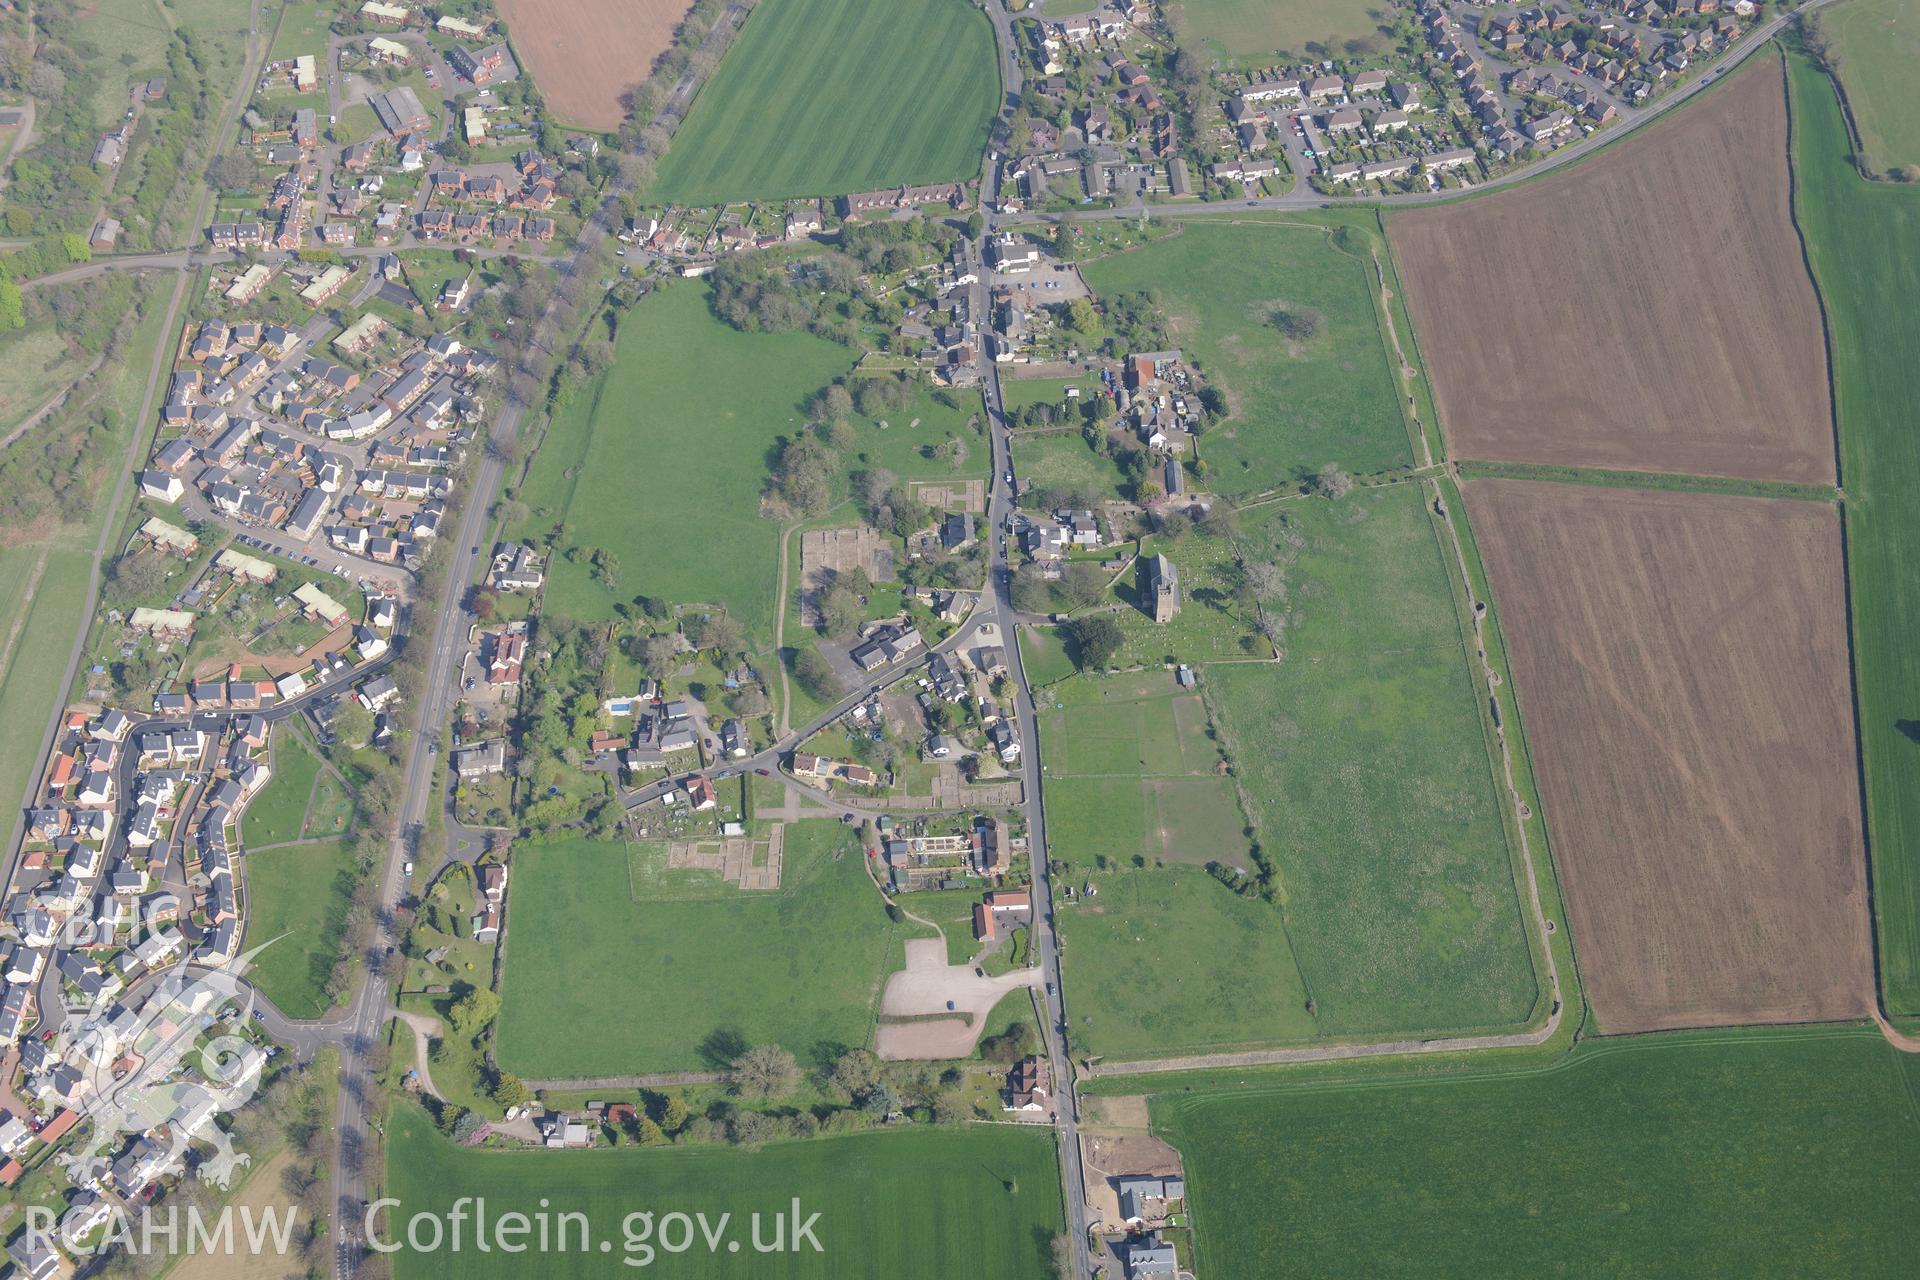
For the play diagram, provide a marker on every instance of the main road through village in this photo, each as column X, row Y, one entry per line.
column 357, row 1028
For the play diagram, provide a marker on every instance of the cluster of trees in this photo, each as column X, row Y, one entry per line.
column 889, row 505
column 889, row 247
column 559, row 709
column 805, row 476
column 54, row 185
column 1081, row 584
column 1257, row 884
column 59, row 470
column 1137, row 321
column 857, row 1090
column 1095, row 641
column 171, row 131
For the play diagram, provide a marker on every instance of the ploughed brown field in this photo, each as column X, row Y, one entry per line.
column 1681, row 664
column 1647, row 310
column 583, row 54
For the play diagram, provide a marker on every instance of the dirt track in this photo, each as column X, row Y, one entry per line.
column 1681, row 663
column 583, row 54
column 1649, row 310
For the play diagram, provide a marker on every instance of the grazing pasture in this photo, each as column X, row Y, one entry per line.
column 1648, row 310
column 584, row 54
column 1761, row 1154
column 1254, row 33
column 1131, row 773
column 932, row 1203
column 1164, row 960
column 1364, row 761
column 1864, row 240
column 1681, row 661
column 661, row 461
column 1878, row 42
column 696, row 969
column 825, row 97
column 1293, row 406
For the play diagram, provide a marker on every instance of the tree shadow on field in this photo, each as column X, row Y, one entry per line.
column 722, row 1046
column 1909, row 728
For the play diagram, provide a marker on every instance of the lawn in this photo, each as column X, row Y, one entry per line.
column 821, row 97
column 279, row 812
column 298, row 894
column 1017, row 393
column 935, row 1204
column 1293, row 406
column 662, row 460
column 1787, row 1153
column 1064, row 460
column 1364, row 760
column 694, row 978
column 1879, row 45
column 1864, row 242
column 1254, row 33
column 1165, row 960
column 1043, row 653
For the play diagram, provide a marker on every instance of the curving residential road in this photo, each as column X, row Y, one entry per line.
column 1302, row 196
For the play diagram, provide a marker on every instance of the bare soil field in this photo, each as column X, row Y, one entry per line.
column 1647, row 310
column 583, row 54
column 1681, row 663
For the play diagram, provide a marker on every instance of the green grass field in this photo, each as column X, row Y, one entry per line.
column 1292, row 408
column 280, row 810
column 1254, row 32
column 1166, row 961
column 1018, row 393
column 1044, row 655
column 1879, row 45
column 821, row 98
column 45, row 581
column 665, row 977
column 34, row 642
column 1864, row 242
column 35, row 365
column 904, row 445
column 301, row 891
column 1130, row 774
column 1364, row 760
column 303, row 29
column 662, row 461
column 1066, row 461
column 934, row 1204
column 1791, row 1153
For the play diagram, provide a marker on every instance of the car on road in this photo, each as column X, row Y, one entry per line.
column 763, row 773
column 1049, row 988
column 406, row 869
